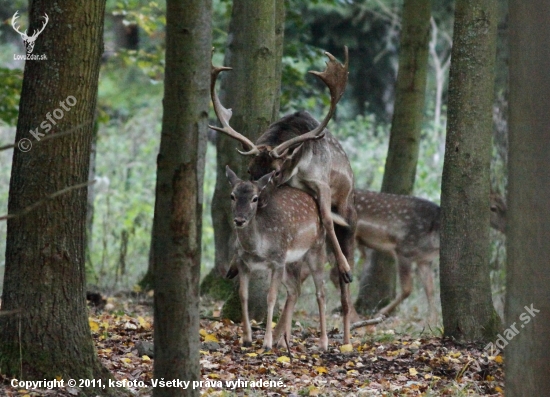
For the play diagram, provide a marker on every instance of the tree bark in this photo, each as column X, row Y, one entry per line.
column 45, row 252
column 178, row 207
column 467, row 307
column 378, row 282
column 251, row 90
column 528, row 233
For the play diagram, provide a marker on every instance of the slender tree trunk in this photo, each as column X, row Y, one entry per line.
column 528, row 270
column 468, row 312
column 45, row 252
column 91, row 197
column 178, row 206
column 378, row 283
column 251, row 90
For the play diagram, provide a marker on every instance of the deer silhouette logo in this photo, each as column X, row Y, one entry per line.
column 28, row 40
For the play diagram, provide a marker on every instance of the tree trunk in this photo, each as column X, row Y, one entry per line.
column 468, row 312
column 45, row 253
column 528, row 271
column 378, row 283
column 91, row 198
column 178, row 207
column 251, row 90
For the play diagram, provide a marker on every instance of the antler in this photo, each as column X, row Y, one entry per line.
column 335, row 77
column 224, row 115
column 16, row 28
column 35, row 34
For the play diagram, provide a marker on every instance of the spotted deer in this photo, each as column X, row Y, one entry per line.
column 277, row 229
column 303, row 154
column 407, row 228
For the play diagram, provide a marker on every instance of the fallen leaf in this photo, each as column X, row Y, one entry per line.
column 413, row 371
column 283, row 359
column 321, row 370
column 144, row 324
column 210, row 338
column 93, row 325
column 346, row 348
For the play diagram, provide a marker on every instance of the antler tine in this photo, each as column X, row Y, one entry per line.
column 224, row 115
column 16, row 28
column 46, row 19
column 335, row 77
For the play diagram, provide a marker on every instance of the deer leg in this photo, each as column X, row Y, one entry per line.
column 346, row 239
column 405, row 278
column 425, row 272
column 292, row 282
column 318, row 278
column 243, row 294
column 346, row 308
column 324, row 202
column 276, row 276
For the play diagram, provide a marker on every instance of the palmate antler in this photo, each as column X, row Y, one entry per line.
column 335, row 77
column 224, row 115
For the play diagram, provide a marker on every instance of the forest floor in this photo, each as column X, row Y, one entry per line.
column 381, row 361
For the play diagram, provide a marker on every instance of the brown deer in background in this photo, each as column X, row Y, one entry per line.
column 407, row 228
column 304, row 155
column 277, row 229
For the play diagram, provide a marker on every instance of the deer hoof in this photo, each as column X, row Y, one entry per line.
column 347, row 277
column 247, row 344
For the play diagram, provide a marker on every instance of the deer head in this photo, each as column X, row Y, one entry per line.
column 271, row 157
column 28, row 40
column 245, row 197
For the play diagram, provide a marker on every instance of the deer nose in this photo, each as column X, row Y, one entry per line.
column 239, row 221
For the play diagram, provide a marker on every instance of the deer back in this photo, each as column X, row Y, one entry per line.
column 321, row 159
column 406, row 225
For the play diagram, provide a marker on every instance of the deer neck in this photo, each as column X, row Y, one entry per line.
column 250, row 236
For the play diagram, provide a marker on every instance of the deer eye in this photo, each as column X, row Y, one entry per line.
column 255, row 199
column 277, row 173
column 232, row 197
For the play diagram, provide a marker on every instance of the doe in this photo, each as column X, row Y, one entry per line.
column 277, row 228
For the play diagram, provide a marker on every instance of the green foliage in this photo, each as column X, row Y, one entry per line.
column 11, row 81
column 366, row 143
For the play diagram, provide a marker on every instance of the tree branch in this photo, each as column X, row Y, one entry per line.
column 372, row 321
column 50, row 136
column 33, row 206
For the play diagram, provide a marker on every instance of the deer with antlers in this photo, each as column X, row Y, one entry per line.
column 29, row 40
column 277, row 229
column 303, row 154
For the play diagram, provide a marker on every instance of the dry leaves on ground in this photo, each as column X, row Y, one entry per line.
column 400, row 366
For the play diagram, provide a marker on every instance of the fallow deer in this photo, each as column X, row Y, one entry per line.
column 407, row 228
column 277, row 229
column 303, row 154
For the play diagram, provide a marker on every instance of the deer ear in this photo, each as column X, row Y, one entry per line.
column 264, row 180
column 233, row 178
